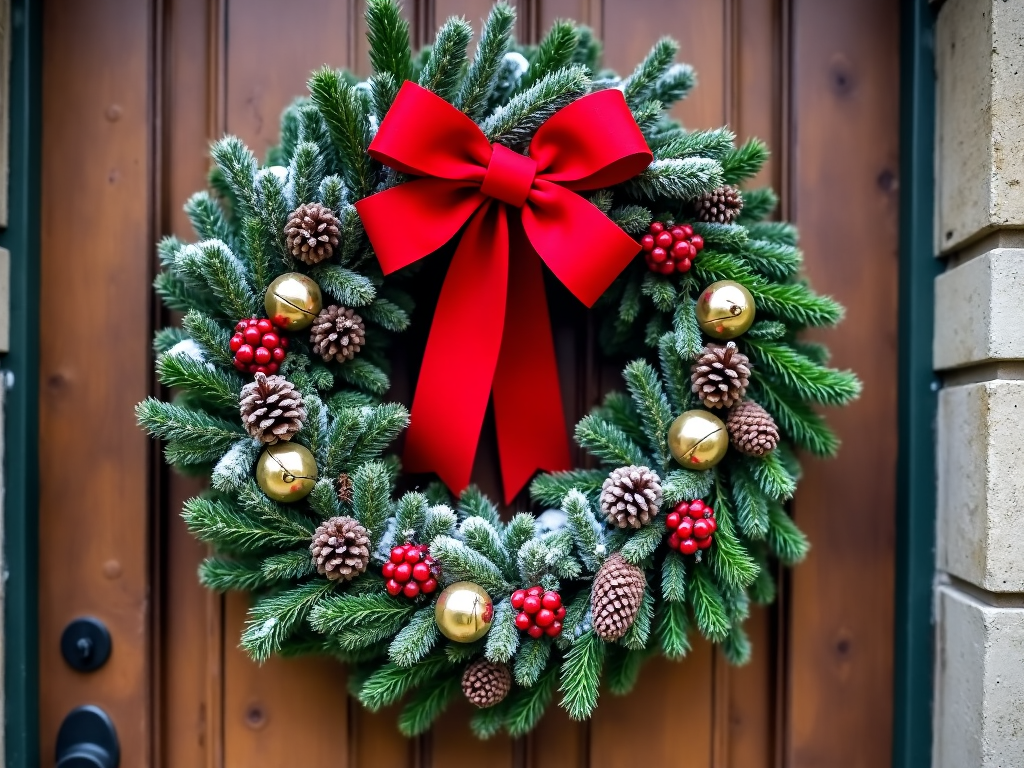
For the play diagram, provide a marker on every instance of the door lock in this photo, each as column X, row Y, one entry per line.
column 87, row 739
column 85, row 644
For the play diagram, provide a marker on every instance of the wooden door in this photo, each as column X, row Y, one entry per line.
column 134, row 92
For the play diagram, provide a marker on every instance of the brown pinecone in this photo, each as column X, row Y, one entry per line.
column 616, row 597
column 752, row 429
column 343, row 486
column 486, row 683
column 720, row 375
column 340, row 549
column 272, row 408
column 312, row 233
column 337, row 334
column 631, row 496
column 720, row 206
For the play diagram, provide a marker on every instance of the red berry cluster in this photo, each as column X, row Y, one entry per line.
column 540, row 612
column 670, row 248
column 411, row 571
column 692, row 523
column 258, row 346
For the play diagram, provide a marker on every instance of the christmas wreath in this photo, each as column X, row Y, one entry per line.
column 308, row 267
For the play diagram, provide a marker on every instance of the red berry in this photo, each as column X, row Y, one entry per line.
column 697, row 508
column 677, row 233
column 683, row 265
column 697, row 242
column 535, row 591
column 252, row 335
column 523, row 622
column 236, row 341
column 554, row 629
column 421, row 571
column 688, row 546
column 701, row 529
column 411, row 589
column 712, row 524
column 251, row 322
column 664, row 239
column 240, row 365
column 272, row 367
column 262, row 369
column 704, row 543
column 674, row 540
column 531, row 604
column 667, row 268
column 544, row 617
column 683, row 508
column 535, row 631
column 680, row 249
column 687, row 230
column 284, row 342
column 393, row 587
column 388, row 571
column 270, row 340
column 656, row 227
column 403, row 572
column 264, row 325
column 278, row 354
column 658, row 255
column 253, row 368
column 241, row 326
column 672, row 520
column 560, row 613
column 262, row 355
column 412, row 555
column 244, row 353
column 397, row 554
column 647, row 242
column 685, row 528
column 551, row 600
column 428, row 586
column 517, row 598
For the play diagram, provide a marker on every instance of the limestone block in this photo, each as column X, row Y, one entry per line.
column 981, row 484
column 979, row 310
column 980, row 142
column 979, row 683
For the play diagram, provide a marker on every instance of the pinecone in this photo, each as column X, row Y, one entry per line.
column 486, row 683
column 312, row 233
column 340, row 549
column 271, row 408
column 337, row 334
column 720, row 375
column 630, row 497
column 720, row 206
column 616, row 597
column 343, row 487
column 752, row 429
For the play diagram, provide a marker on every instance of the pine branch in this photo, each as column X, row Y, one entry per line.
column 673, row 578
column 807, row 379
column 677, row 179
column 751, row 505
column 502, row 637
column 514, row 123
column 234, row 468
column 555, row 51
column 346, row 287
column 772, row 476
column 212, row 264
column 632, row 219
column 202, row 436
column 757, row 205
column 216, row 388
column 643, row 542
column 349, row 126
column 232, row 529
column 273, row 618
column 744, row 162
column 651, row 405
column 587, row 533
column 494, row 43
column 390, row 51
column 660, row 291
column 787, row 542
column 209, row 335
column 313, row 130
column 391, row 682
column 674, row 85
column 306, row 171
column 672, row 626
column 416, row 639
column 580, row 676
column 387, row 314
column 473, row 503
column 520, row 529
column 713, row 143
column 379, row 426
column 708, row 608
column 365, row 375
column 639, row 86
column 805, row 427
column 440, row 521
column 426, row 705
column 222, row 575
column 368, row 617
column 527, row 705
column 463, row 564
column 237, row 166
column 607, row 443
column 442, row 73
column 686, row 485
column 480, row 536
column 781, row 232
column 640, row 630
column 371, row 497
column 208, row 219
column 531, row 660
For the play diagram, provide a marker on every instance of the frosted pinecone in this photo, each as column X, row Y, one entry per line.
column 631, row 496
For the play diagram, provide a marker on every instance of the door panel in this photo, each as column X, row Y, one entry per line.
column 812, row 78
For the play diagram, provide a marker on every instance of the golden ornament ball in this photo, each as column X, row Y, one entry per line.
column 725, row 310
column 286, row 471
column 463, row 612
column 698, row 439
column 293, row 301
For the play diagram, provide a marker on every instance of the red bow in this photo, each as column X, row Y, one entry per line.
column 474, row 343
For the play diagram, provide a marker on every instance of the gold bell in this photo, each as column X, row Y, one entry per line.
column 293, row 301
column 725, row 310
column 698, row 439
column 286, row 472
column 463, row 612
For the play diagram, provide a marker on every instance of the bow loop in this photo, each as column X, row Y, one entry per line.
column 589, row 144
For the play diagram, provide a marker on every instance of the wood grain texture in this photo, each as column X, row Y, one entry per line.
column 94, row 461
column 844, row 163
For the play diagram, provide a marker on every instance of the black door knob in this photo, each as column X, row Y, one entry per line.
column 87, row 739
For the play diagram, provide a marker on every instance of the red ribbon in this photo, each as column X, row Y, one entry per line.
column 491, row 326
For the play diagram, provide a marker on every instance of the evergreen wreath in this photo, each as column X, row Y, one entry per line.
column 292, row 428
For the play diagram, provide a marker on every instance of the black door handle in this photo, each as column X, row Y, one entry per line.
column 87, row 739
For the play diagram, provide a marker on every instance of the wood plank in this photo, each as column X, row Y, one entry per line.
column 747, row 741
column 96, row 238
column 844, row 161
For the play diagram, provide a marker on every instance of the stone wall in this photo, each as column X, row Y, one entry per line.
column 979, row 351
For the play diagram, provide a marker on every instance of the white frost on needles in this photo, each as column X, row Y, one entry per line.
column 189, row 349
column 235, row 466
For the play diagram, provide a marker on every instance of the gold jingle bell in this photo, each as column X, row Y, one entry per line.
column 293, row 301
column 725, row 310
column 463, row 612
column 286, row 472
column 698, row 439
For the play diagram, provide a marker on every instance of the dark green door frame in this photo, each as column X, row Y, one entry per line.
column 918, row 393
column 917, row 396
column 21, row 238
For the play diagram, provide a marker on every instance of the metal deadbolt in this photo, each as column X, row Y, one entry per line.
column 85, row 644
column 87, row 739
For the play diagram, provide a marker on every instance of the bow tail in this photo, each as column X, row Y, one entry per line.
column 528, row 411
column 461, row 354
